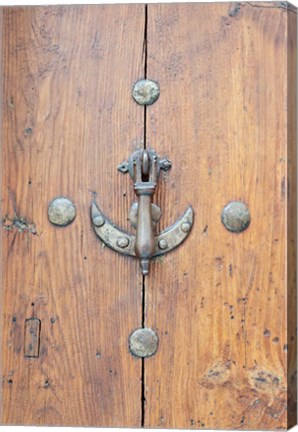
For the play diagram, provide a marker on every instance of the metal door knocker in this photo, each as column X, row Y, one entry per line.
column 144, row 167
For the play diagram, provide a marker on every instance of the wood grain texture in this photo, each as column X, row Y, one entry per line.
column 222, row 303
column 292, row 220
column 68, row 121
column 32, row 337
column 1, row 242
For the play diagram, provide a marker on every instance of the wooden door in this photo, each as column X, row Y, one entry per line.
column 67, row 122
column 223, row 304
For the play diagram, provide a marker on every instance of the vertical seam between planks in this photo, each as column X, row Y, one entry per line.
column 1, row 243
column 145, row 45
column 291, row 214
column 143, row 397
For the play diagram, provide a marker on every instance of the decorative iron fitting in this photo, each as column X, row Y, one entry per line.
column 144, row 167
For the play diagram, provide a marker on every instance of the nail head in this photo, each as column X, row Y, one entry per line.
column 98, row 221
column 163, row 244
column 236, row 216
column 145, row 92
column 143, row 342
column 61, row 211
column 185, row 227
column 123, row 242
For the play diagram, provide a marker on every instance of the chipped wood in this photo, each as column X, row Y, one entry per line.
column 32, row 337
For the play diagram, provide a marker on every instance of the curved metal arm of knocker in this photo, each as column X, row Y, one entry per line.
column 144, row 168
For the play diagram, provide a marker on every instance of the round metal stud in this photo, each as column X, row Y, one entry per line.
column 162, row 244
column 236, row 216
column 185, row 227
column 61, row 211
column 98, row 221
column 123, row 242
column 145, row 92
column 143, row 342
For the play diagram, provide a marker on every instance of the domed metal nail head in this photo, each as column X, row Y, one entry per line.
column 236, row 216
column 143, row 342
column 145, row 92
column 61, row 211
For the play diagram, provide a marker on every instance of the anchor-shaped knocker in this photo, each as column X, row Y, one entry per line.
column 144, row 167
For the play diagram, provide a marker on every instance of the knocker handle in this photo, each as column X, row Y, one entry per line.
column 144, row 167
column 145, row 237
column 145, row 177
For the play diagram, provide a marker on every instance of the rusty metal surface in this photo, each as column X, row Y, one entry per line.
column 145, row 92
column 143, row 342
column 111, row 235
column 61, row 211
column 134, row 163
column 144, row 167
column 145, row 172
column 174, row 235
column 236, row 216
column 133, row 214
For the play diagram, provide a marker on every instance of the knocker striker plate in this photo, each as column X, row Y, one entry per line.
column 144, row 167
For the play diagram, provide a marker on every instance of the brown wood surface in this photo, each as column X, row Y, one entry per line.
column 223, row 305
column 1, row 213
column 221, row 302
column 292, row 220
column 32, row 337
column 68, row 121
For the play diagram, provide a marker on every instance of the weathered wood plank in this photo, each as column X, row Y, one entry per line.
column 32, row 337
column 291, row 345
column 221, row 302
column 223, row 305
column 1, row 242
column 69, row 120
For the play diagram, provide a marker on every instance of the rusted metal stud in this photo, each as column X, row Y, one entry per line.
column 61, row 211
column 123, row 242
column 236, row 216
column 145, row 92
column 143, row 342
